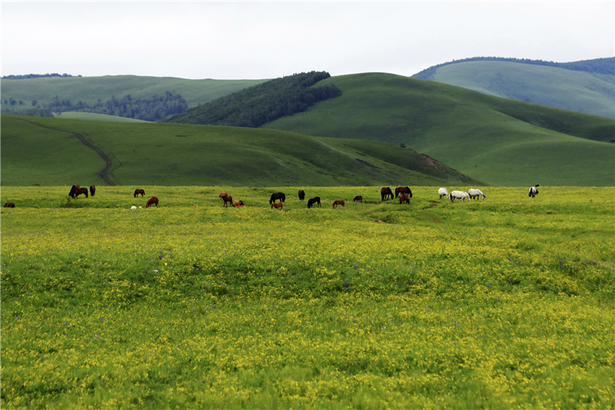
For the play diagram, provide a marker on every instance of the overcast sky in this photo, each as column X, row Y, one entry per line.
column 260, row 40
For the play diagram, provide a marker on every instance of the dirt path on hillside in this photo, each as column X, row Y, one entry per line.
column 104, row 173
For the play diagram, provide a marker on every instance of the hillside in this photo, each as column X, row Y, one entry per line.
column 584, row 86
column 496, row 140
column 91, row 89
column 50, row 151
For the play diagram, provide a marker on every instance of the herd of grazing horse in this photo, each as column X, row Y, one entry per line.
column 402, row 192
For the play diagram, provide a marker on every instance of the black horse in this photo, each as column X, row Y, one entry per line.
column 276, row 196
column 301, row 194
column 385, row 193
column 313, row 201
column 92, row 190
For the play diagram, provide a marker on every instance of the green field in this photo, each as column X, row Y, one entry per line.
column 495, row 140
column 500, row 303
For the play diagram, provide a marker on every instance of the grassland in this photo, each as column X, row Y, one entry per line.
column 495, row 140
column 556, row 87
column 502, row 303
column 47, row 152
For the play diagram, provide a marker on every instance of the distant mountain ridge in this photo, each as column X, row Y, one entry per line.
column 584, row 86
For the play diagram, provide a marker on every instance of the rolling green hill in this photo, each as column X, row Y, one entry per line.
column 91, row 89
column 496, row 140
column 50, row 151
column 560, row 86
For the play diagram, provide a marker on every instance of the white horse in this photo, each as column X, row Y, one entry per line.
column 443, row 193
column 475, row 193
column 462, row 195
column 533, row 191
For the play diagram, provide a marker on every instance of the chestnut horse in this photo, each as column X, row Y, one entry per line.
column 92, row 190
column 227, row 200
column 139, row 191
column 315, row 200
column 276, row 196
column 222, row 195
column 238, row 204
column 385, row 193
column 277, row 205
column 79, row 191
column 301, row 194
column 403, row 197
column 403, row 189
column 358, row 198
column 339, row 202
column 152, row 201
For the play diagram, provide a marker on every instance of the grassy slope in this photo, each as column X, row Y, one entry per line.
column 90, row 89
column 178, row 154
column 496, row 140
column 555, row 87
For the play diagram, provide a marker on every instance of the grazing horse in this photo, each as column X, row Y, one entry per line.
column 227, row 200
column 357, row 198
column 73, row 190
column 315, row 200
column 403, row 189
column 139, row 191
column 222, row 195
column 9, row 205
column 92, row 190
column 443, row 193
column 301, row 194
column 152, row 201
column 79, row 191
column 533, row 191
column 277, row 205
column 462, row 195
column 403, row 197
column 276, row 196
column 475, row 193
column 238, row 204
column 385, row 193
column 339, row 202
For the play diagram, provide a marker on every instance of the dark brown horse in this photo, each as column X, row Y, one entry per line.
column 73, row 190
column 315, row 200
column 152, row 201
column 139, row 191
column 79, row 191
column 277, row 205
column 277, row 196
column 339, row 202
column 227, row 200
column 385, row 193
column 9, row 205
column 403, row 189
column 92, row 190
column 222, row 195
column 403, row 197
column 358, row 198
column 301, row 194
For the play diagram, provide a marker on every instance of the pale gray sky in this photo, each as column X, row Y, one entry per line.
column 258, row 40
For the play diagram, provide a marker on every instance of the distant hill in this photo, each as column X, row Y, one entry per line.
column 496, row 140
column 583, row 86
column 262, row 103
column 51, row 151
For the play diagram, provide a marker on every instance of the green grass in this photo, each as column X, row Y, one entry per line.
column 177, row 154
column 555, row 87
column 90, row 89
column 496, row 140
column 499, row 303
column 93, row 117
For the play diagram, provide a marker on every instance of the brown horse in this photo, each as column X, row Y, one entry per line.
column 358, row 198
column 238, row 204
column 301, row 194
column 276, row 196
column 227, row 200
column 222, row 195
column 385, row 193
column 277, row 205
column 139, row 191
column 72, row 190
column 92, row 190
column 403, row 197
column 152, row 201
column 339, row 202
column 9, row 205
column 315, row 200
column 403, row 189
column 79, row 191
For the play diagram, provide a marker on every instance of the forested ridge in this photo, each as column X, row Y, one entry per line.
column 257, row 105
